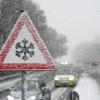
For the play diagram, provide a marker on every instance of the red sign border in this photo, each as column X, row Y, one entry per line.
column 25, row 20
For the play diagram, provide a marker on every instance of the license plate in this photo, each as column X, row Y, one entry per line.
column 63, row 81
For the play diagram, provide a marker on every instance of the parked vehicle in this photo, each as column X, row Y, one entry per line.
column 35, row 89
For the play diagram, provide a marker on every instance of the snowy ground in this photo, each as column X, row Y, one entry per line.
column 88, row 88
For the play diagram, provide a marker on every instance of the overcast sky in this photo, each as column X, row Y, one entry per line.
column 79, row 20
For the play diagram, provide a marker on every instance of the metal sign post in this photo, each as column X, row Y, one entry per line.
column 23, row 85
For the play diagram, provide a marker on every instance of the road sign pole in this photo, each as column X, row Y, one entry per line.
column 23, row 85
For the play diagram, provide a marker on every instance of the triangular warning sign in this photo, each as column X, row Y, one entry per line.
column 24, row 48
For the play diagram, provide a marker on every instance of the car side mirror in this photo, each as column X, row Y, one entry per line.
column 73, row 95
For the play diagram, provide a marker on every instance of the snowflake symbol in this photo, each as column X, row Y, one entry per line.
column 24, row 49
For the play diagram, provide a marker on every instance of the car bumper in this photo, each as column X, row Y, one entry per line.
column 60, row 84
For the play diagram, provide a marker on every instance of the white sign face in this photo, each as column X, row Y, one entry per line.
column 24, row 49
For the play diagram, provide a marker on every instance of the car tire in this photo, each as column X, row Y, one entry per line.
column 73, row 85
column 56, row 86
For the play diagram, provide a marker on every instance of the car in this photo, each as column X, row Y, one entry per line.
column 35, row 89
column 65, row 80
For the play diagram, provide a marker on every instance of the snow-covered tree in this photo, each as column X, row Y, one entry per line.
column 56, row 43
column 10, row 11
column 87, row 53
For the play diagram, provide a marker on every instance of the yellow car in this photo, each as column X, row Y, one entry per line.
column 64, row 80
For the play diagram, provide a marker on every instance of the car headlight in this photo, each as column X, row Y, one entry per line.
column 71, row 78
column 56, row 78
column 10, row 97
column 32, row 98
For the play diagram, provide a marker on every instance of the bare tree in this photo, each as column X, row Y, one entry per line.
column 10, row 11
column 87, row 53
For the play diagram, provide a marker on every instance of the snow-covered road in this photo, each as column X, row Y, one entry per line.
column 88, row 88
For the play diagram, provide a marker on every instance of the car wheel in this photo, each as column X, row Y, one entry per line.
column 56, row 86
column 73, row 85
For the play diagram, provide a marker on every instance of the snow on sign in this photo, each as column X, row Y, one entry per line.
column 24, row 49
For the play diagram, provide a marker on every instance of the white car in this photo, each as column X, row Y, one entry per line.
column 34, row 90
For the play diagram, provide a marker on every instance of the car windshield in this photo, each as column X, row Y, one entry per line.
column 30, row 85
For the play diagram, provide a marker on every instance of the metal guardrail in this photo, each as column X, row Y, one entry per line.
column 9, row 80
column 11, row 76
column 7, row 77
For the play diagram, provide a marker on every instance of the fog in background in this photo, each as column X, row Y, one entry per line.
column 79, row 20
